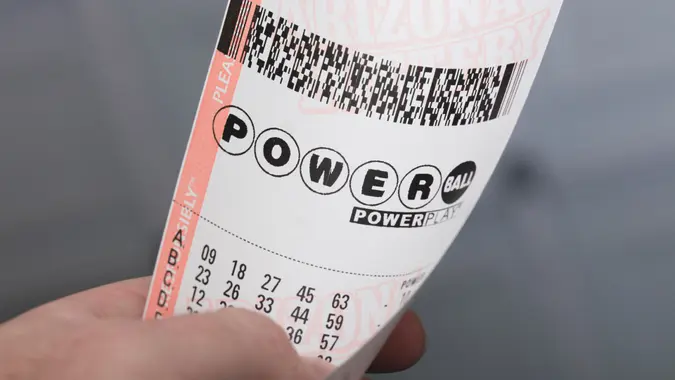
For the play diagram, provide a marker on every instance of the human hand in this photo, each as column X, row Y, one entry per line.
column 98, row 334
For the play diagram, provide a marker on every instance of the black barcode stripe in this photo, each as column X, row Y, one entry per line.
column 514, row 88
column 360, row 83
column 508, row 74
column 516, row 85
column 234, row 47
column 509, row 90
column 236, row 38
column 243, row 18
column 229, row 26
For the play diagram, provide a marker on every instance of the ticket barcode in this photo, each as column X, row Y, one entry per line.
column 361, row 83
column 233, row 27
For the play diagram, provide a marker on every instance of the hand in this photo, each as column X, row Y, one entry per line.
column 98, row 335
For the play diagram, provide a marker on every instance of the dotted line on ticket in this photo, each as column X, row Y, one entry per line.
column 288, row 257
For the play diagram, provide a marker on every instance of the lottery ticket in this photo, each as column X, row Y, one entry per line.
column 337, row 150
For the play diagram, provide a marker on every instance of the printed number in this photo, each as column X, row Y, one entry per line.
column 326, row 358
column 238, row 269
column 205, row 273
column 300, row 314
column 224, row 304
column 294, row 335
column 264, row 304
column 328, row 342
column 209, row 254
column 198, row 296
column 334, row 322
column 232, row 290
column 306, row 294
column 191, row 310
column 405, row 296
column 340, row 301
column 271, row 281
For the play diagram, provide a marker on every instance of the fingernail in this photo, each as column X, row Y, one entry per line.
column 319, row 369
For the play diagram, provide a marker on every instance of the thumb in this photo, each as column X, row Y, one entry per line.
column 228, row 344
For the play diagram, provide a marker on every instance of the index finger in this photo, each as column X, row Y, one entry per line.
column 126, row 300
column 404, row 347
column 226, row 344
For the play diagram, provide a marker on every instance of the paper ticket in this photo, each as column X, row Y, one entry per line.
column 338, row 148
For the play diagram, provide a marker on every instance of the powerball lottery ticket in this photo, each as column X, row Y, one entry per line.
column 337, row 150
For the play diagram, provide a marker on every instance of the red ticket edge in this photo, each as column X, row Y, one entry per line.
column 198, row 162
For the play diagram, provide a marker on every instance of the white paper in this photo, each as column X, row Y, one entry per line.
column 338, row 149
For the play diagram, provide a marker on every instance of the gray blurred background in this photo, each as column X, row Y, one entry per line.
column 566, row 269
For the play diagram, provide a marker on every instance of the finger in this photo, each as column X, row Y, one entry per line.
column 404, row 347
column 124, row 299
column 227, row 344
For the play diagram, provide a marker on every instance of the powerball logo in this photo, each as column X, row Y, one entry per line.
column 326, row 171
